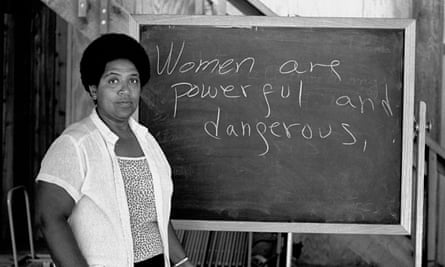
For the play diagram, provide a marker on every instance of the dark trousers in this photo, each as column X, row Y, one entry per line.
column 156, row 261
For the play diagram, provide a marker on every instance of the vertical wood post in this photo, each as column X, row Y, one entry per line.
column 429, row 39
column 419, row 216
column 432, row 207
column 289, row 250
column 103, row 16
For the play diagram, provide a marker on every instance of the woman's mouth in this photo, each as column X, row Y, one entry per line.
column 125, row 103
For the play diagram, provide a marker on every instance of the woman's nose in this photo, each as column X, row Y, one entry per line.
column 125, row 89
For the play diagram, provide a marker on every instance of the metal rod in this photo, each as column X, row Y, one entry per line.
column 11, row 223
column 420, row 184
column 289, row 250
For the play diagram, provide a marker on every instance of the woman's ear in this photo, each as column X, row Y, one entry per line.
column 93, row 91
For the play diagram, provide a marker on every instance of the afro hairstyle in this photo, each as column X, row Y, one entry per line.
column 109, row 47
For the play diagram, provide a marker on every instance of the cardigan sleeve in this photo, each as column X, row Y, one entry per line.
column 62, row 166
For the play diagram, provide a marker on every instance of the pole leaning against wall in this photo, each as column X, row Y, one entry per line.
column 421, row 133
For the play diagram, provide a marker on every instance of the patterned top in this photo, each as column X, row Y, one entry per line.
column 141, row 203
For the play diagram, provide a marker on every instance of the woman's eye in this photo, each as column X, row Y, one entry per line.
column 113, row 81
column 134, row 81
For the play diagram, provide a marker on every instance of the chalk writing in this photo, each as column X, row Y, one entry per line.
column 214, row 65
column 218, row 129
column 365, row 101
column 190, row 90
column 266, row 127
column 291, row 66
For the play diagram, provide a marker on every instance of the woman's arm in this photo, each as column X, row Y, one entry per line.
column 54, row 206
column 176, row 251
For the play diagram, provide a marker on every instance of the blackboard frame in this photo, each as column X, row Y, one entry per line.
column 408, row 26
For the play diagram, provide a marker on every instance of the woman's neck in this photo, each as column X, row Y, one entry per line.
column 122, row 131
column 120, row 128
column 127, row 144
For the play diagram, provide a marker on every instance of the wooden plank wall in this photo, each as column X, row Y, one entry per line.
column 342, row 8
column 7, row 119
column 161, row 7
column 429, row 42
column 439, row 251
column 33, row 95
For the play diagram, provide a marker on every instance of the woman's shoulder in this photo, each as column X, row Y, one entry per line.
column 80, row 129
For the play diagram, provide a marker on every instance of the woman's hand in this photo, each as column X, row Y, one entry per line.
column 177, row 253
column 187, row 264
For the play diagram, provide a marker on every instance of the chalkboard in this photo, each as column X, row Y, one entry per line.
column 301, row 123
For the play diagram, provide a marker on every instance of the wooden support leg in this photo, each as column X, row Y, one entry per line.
column 420, row 185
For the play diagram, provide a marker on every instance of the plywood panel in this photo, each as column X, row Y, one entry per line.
column 327, row 8
column 61, row 70
column 442, row 97
column 429, row 42
column 89, row 25
column 8, row 73
column 163, row 7
column 342, row 8
column 129, row 5
column 387, row 8
column 79, row 103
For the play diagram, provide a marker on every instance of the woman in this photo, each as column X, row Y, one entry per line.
column 104, row 187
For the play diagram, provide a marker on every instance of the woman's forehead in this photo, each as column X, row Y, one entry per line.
column 121, row 66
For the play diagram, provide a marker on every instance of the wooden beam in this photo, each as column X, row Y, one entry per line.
column 82, row 8
column 217, row 7
column 258, row 4
column 183, row 7
column 429, row 39
column 440, row 249
column 432, row 210
column 252, row 7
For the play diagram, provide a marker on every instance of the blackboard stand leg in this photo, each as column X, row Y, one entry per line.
column 421, row 132
column 279, row 250
column 289, row 250
column 249, row 250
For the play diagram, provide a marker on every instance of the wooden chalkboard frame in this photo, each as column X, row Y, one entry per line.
column 408, row 26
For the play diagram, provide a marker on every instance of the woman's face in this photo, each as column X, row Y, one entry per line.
column 118, row 92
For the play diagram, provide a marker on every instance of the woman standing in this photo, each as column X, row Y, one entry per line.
column 104, row 188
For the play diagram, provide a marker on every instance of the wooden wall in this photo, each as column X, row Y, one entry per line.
column 85, row 28
column 342, row 8
column 33, row 97
column 161, row 6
